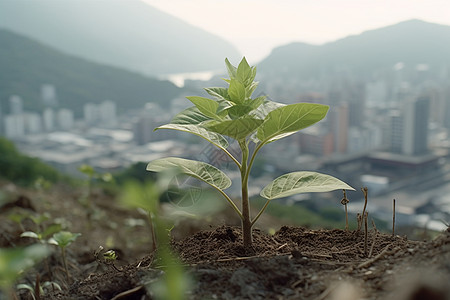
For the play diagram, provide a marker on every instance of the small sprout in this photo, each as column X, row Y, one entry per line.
column 107, row 177
column 108, row 258
column 39, row 219
column 41, row 236
column 145, row 198
column 18, row 218
column 110, row 255
column 31, row 290
column 92, row 175
column 42, row 184
column 13, row 262
column 31, row 234
column 87, row 170
column 64, row 239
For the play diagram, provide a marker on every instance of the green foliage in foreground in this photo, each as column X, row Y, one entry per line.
column 252, row 123
column 22, row 169
column 13, row 262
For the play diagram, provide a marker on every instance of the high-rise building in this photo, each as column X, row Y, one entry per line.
column 14, row 126
column 339, row 122
column 107, row 110
column 409, row 128
column 48, row 95
column 396, row 132
column 48, row 119
column 15, row 105
column 32, row 123
column 415, row 122
column 65, row 119
column 91, row 113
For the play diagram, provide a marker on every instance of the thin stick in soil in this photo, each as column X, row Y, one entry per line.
column 366, row 216
column 344, row 202
column 365, row 192
column 393, row 217
column 374, row 238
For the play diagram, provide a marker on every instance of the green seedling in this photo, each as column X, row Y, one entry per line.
column 108, row 257
column 252, row 123
column 42, row 236
column 39, row 290
column 42, row 184
column 63, row 239
column 18, row 218
column 92, row 175
column 13, row 262
column 145, row 196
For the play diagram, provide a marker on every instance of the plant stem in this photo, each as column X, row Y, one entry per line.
column 260, row 212
column 252, row 159
column 231, row 156
column 152, row 230
column 236, row 209
column 63, row 253
column 246, row 222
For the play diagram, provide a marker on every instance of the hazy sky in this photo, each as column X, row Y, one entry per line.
column 256, row 26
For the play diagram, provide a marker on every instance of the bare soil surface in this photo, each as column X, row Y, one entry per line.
column 294, row 263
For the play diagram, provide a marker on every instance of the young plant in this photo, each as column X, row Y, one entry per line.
column 39, row 289
column 259, row 121
column 64, row 239
column 91, row 176
column 15, row 261
column 145, row 196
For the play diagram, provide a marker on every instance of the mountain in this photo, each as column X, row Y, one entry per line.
column 411, row 42
column 26, row 65
column 128, row 34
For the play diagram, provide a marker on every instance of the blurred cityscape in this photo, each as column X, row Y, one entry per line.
column 79, row 88
column 388, row 135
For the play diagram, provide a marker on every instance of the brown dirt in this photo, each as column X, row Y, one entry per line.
column 294, row 263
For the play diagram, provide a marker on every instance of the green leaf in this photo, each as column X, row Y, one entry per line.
column 244, row 72
column 237, row 111
column 51, row 230
column 140, row 195
column 257, row 102
column 236, row 90
column 87, row 170
column 30, row 234
column 302, row 182
column 190, row 116
column 220, row 93
column 200, row 131
column 250, row 89
column 206, row 106
column 65, row 238
column 200, row 170
column 265, row 108
column 238, row 129
column 230, row 68
column 15, row 261
column 289, row 119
